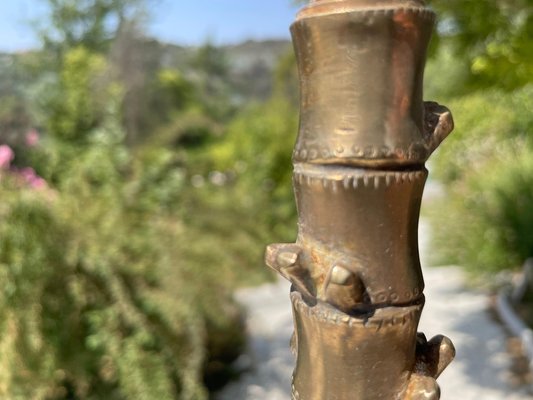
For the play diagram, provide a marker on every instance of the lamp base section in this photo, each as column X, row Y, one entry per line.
column 378, row 356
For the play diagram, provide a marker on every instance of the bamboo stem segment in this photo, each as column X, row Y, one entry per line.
column 359, row 174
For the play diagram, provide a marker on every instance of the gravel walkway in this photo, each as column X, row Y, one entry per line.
column 479, row 372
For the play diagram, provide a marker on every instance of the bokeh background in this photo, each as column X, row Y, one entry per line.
column 145, row 163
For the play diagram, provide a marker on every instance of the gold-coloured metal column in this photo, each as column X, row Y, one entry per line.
column 359, row 174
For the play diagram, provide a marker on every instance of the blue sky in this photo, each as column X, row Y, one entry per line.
column 188, row 22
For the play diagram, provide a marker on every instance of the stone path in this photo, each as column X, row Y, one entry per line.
column 479, row 372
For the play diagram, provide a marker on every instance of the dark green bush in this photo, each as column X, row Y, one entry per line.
column 105, row 289
column 486, row 220
column 97, row 300
column 116, row 277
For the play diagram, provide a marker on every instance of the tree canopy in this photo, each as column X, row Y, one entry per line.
column 88, row 23
column 493, row 35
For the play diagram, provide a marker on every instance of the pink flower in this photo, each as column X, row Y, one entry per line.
column 31, row 178
column 6, row 156
column 38, row 183
column 32, row 138
column 26, row 175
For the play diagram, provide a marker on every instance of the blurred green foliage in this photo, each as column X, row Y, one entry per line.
column 493, row 36
column 92, row 24
column 93, row 304
column 161, row 194
column 78, row 105
column 118, row 275
column 485, row 220
column 100, row 298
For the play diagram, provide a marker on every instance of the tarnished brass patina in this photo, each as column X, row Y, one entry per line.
column 359, row 174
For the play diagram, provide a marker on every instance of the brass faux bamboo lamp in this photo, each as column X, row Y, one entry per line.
column 365, row 134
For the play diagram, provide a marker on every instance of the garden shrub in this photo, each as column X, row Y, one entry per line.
column 485, row 220
column 98, row 300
